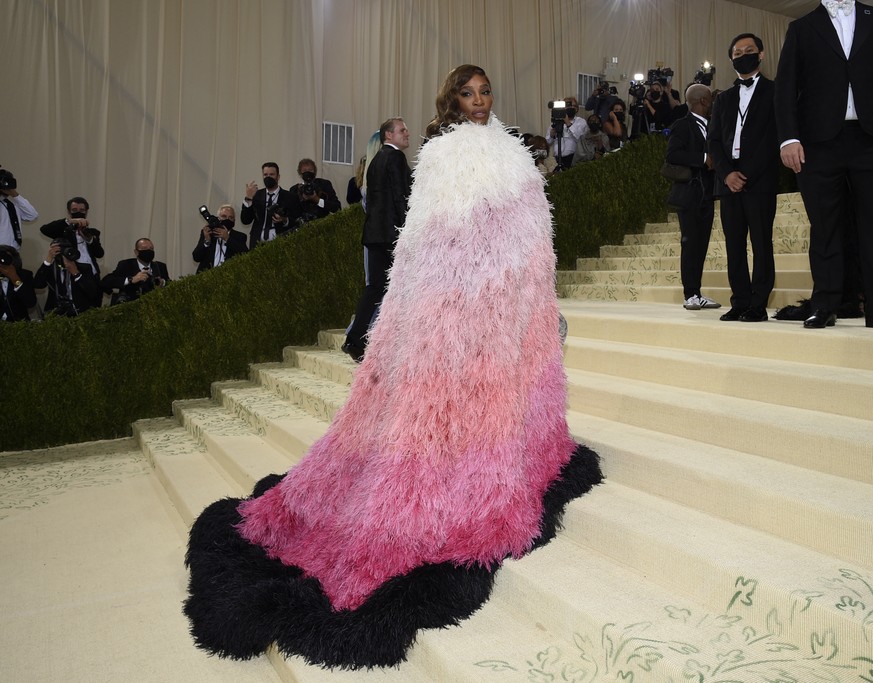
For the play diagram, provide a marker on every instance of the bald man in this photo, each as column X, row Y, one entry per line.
column 693, row 199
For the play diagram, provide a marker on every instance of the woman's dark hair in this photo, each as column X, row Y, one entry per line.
column 447, row 109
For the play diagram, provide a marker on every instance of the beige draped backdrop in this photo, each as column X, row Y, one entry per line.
column 151, row 107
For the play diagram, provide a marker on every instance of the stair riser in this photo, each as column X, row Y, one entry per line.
column 669, row 295
column 831, row 454
column 782, row 230
column 716, row 248
column 637, row 278
column 792, row 262
column 308, row 401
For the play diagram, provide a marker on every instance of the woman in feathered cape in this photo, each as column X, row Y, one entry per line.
column 452, row 451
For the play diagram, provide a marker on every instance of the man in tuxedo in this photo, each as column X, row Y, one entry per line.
column 824, row 106
column 693, row 199
column 72, row 286
column 136, row 276
column 17, row 296
column 217, row 244
column 744, row 148
column 389, row 181
column 77, row 225
column 266, row 209
column 311, row 199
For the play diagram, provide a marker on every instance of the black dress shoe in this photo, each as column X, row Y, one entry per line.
column 733, row 314
column 755, row 314
column 821, row 318
column 356, row 352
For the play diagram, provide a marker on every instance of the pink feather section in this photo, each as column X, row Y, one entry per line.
column 455, row 425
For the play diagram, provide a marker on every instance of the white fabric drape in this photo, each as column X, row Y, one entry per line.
column 151, row 107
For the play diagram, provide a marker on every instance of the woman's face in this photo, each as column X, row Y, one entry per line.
column 475, row 99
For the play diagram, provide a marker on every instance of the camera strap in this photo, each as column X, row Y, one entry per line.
column 13, row 219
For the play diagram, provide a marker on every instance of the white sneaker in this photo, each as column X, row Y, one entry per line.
column 693, row 303
column 706, row 302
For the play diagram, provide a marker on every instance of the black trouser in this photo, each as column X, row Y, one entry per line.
column 696, row 226
column 378, row 263
column 836, row 182
column 749, row 215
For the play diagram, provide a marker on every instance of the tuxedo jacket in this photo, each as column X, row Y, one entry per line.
column 86, row 290
column 254, row 215
column 389, row 181
column 812, row 81
column 127, row 269
column 686, row 146
column 759, row 144
column 57, row 229
column 205, row 255
column 15, row 304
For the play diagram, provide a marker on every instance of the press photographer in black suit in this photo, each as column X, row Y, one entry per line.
column 219, row 242
column 72, row 286
column 17, row 296
column 824, row 107
column 266, row 209
column 136, row 276
column 311, row 199
column 744, row 148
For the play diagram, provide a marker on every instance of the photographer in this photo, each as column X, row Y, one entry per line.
column 72, row 286
column 615, row 125
column 134, row 277
column 601, row 100
column 266, row 209
column 313, row 198
column 76, row 228
column 17, row 295
column 594, row 144
column 218, row 240
column 660, row 101
column 15, row 209
column 565, row 132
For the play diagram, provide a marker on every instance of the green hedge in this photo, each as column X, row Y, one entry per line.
column 67, row 380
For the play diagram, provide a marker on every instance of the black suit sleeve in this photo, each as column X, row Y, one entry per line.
column 787, row 92
column 717, row 133
column 115, row 279
column 55, row 229
column 236, row 244
column 399, row 183
column 682, row 148
column 247, row 213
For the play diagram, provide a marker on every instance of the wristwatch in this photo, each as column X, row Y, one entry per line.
column 17, row 284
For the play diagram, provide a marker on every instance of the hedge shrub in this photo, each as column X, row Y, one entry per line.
column 67, row 380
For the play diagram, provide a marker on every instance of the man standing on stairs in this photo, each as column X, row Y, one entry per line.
column 744, row 148
column 687, row 147
column 824, row 102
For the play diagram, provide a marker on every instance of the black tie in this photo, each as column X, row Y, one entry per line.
column 13, row 219
column 748, row 82
column 268, row 218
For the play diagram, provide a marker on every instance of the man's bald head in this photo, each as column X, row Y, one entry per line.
column 699, row 99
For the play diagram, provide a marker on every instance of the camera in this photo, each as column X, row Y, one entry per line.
column 637, row 89
column 211, row 221
column 308, row 182
column 278, row 211
column 663, row 76
column 7, row 180
column 8, row 256
column 68, row 249
column 560, row 109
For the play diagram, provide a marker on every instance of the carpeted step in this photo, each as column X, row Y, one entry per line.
column 665, row 294
column 784, row 245
column 791, row 279
column 318, row 396
column 784, row 231
column 723, row 566
column 849, row 344
column 833, row 444
column 842, row 391
column 820, row 511
column 671, row 263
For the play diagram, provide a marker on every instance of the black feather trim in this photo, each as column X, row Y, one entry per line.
column 240, row 601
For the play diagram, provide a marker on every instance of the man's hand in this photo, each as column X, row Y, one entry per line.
column 793, row 156
column 708, row 162
column 222, row 233
column 251, row 188
column 207, row 234
column 79, row 223
column 141, row 276
column 9, row 192
column 735, row 181
column 71, row 267
column 53, row 251
column 9, row 272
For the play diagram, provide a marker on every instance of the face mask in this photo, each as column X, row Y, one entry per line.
column 147, row 255
column 78, row 214
column 594, row 126
column 619, row 115
column 270, row 182
column 747, row 63
column 656, row 96
column 228, row 223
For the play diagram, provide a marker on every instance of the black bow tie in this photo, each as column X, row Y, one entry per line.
column 748, row 82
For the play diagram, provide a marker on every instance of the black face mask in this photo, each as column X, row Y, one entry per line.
column 270, row 182
column 656, row 96
column 78, row 214
column 146, row 255
column 228, row 223
column 619, row 115
column 746, row 64
column 594, row 126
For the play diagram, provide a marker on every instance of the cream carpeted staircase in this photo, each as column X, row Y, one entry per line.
column 731, row 543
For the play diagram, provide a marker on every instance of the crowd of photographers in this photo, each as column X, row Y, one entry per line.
column 70, row 271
